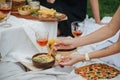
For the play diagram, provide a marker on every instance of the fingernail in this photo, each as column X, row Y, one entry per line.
column 62, row 66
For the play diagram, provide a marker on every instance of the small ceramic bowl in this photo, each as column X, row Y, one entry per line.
column 25, row 10
column 43, row 61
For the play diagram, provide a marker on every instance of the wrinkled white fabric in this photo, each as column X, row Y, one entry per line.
column 18, row 42
column 55, row 73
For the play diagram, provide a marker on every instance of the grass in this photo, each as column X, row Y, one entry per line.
column 107, row 8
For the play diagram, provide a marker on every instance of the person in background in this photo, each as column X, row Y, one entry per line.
column 75, row 10
column 101, row 34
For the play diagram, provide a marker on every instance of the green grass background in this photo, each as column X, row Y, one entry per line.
column 107, row 8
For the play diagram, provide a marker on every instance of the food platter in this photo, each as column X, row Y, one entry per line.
column 45, row 19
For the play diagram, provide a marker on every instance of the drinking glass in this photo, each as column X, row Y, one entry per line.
column 35, row 5
column 42, row 39
column 77, row 28
column 17, row 4
column 5, row 10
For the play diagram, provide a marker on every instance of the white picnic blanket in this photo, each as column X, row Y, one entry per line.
column 18, row 42
column 55, row 73
column 17, row 47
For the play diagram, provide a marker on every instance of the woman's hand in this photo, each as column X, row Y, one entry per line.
column 71, row 59
column 101, row 23
column 51, row 1
column 64, row 43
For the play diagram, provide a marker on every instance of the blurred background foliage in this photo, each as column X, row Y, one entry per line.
column 107, row 7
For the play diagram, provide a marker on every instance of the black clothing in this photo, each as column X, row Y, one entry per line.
column 74, row 9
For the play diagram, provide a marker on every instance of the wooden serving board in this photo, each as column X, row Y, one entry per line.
column 29, row 66
column 48, row 19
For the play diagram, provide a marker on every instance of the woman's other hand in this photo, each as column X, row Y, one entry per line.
column 71, row 59
column 64, row 43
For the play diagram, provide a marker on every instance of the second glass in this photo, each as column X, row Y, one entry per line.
column 77, row 28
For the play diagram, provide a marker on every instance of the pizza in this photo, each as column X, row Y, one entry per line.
column 97, row 71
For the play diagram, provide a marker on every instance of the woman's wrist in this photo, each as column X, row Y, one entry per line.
column 81, row 57
column 76, row 42
column 73, row 43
